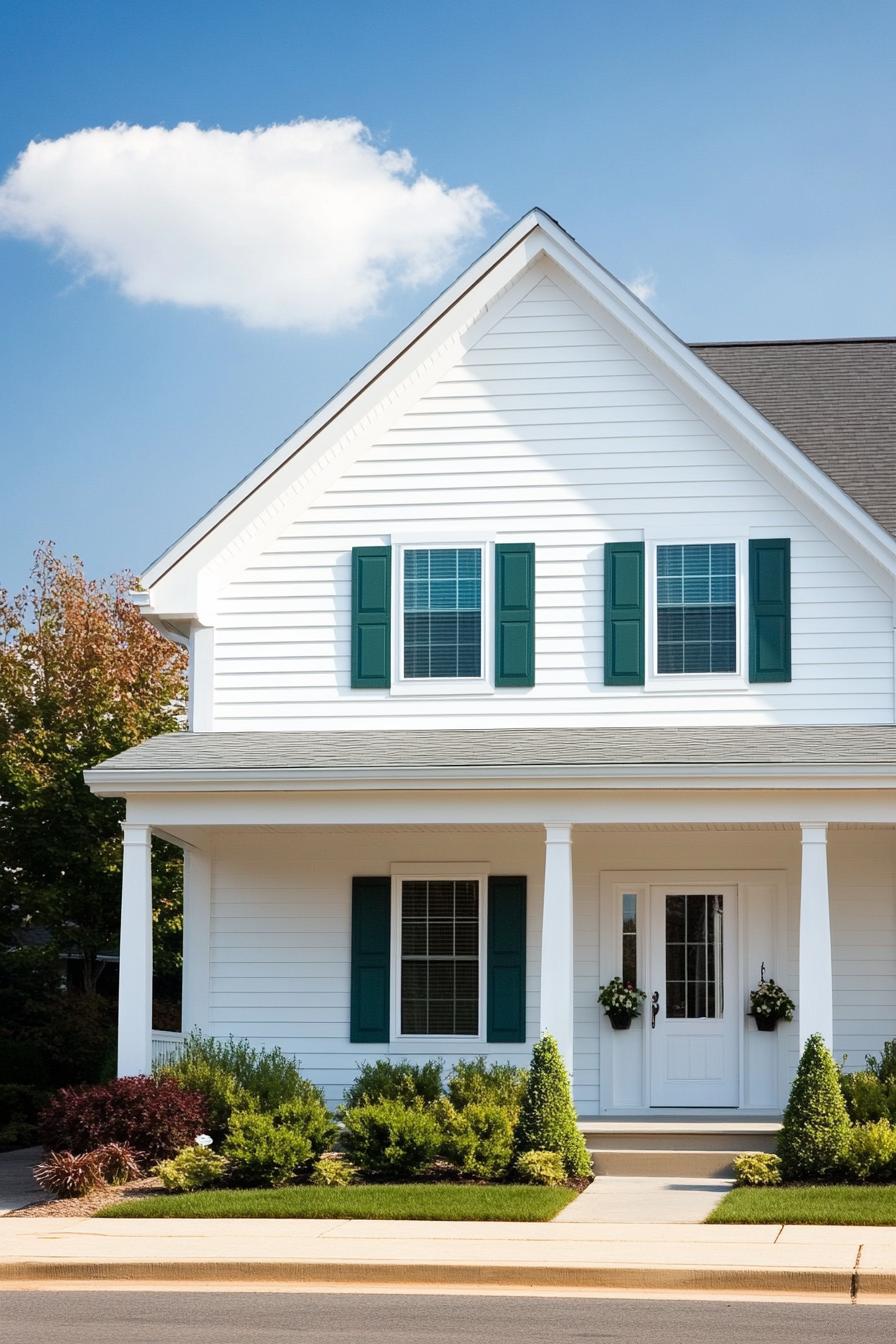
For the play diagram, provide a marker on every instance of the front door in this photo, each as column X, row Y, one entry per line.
column 693, row 996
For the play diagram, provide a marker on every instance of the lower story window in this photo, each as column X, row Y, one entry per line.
column 439, row 957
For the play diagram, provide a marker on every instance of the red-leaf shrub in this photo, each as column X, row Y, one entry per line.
column 154, row 1116
column 68, row 1175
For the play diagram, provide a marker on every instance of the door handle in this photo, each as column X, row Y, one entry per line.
column 654, row 1008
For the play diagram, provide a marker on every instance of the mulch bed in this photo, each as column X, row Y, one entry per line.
column 87, row 1205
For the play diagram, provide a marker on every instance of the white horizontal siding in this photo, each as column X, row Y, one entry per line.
column 280, row 934
column 280, row 940
column 547, row 430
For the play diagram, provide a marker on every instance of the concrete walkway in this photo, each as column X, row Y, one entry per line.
column 842, row 1262
column 17, row 1185
column 646, row 1199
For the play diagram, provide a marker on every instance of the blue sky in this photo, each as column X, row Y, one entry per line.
column 742, row 156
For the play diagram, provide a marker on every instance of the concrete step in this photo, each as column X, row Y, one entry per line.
column 749, row 1141
column 698, row 1147
column 659, row 1162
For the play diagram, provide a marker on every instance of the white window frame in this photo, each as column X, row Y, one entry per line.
column 434, row 872
column 443, row 686
column 686, row 683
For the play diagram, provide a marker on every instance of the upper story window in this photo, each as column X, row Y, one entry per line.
column 442, row 612
column 696, row 608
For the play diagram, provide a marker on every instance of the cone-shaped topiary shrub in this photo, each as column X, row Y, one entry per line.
column 547, row 1120
column 814, row 1136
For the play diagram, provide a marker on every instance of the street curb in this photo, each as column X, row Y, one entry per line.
column 677, row 1278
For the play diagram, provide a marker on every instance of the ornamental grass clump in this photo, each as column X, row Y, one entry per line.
column 814, row 1135
column 547, row 1120
column 69, row 1175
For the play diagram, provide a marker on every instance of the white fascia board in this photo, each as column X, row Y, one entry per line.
column 632, row 322
column 498, row 266
column 117, row 783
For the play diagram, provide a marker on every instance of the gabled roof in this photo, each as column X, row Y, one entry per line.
column 173, row 581
column 836, row 400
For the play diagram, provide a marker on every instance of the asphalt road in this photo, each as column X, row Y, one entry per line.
column 97, row 1317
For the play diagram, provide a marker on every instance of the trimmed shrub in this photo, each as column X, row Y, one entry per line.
column 478, row 1139
column 193, row 1168
column 117, row 1162
column 69, row 1175
column 871, row 1152
column 814, row 1134
column 867, row 1097
column 475, row 1080
column 153, row 1116
column 390, row 1138
column 757, row 1169
column 259, row 1151
column 395, row 1080
column 540, row 1167
column 547, row 1120
column 235, row 1076
column 310, row 1117
column 332, row 1171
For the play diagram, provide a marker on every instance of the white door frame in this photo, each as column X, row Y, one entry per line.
column 623, row 1063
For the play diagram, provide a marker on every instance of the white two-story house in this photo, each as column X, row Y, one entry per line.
column 550, row 649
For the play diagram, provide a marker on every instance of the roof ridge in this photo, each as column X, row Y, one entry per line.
column 808, row 340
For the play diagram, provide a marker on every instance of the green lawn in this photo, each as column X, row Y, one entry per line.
column 868, row 1205
column 489, row 1203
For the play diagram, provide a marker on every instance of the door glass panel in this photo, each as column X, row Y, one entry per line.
column 694, row 955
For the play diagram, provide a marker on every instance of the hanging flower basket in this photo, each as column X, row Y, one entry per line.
column 769, row 1005
column 621, row 1002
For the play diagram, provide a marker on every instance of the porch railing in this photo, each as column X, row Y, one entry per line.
column 166, row 1046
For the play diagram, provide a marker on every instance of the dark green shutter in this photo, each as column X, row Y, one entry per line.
column 371, row 953
column 506, row 959
column 770, row 609
column 371, row 616
column 624, row 613
column 515, row 614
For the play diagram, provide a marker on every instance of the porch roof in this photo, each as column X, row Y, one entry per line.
column 838, row 747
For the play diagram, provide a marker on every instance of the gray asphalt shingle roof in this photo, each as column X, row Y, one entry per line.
column 836, row 400
column 494, row 748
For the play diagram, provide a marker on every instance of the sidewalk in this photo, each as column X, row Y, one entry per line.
column 843, row 1262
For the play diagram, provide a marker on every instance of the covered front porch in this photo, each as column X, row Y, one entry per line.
column 700, row 892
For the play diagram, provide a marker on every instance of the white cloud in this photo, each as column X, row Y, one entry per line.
column 303, row 225
column 643, row 286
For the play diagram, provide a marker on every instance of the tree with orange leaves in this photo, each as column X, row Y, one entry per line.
column 82, row 676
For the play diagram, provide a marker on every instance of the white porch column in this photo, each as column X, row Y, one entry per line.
column 557, row 939
column 135, row 953
column 197, row 938
column 816, row 994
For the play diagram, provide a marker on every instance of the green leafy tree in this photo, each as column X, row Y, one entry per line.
column 547, row 1119
column 82, row 676
column 814, row 1135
